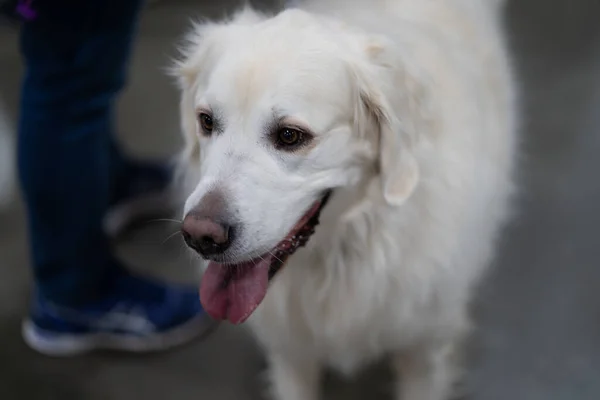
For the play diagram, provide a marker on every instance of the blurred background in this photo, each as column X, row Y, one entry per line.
column 538, row 314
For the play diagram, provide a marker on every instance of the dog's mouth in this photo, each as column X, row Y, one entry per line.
column 233, row 291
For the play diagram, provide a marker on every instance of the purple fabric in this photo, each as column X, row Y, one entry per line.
column 25, row 10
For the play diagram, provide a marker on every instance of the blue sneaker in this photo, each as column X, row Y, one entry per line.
column 138, row 316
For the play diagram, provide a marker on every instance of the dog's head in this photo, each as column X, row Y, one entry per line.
column 278, row 113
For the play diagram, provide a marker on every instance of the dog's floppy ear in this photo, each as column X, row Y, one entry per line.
column 397, row 103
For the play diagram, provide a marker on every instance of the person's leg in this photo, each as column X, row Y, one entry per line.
column 75, row 65
column 75, row 56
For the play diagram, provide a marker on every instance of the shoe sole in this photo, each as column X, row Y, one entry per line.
column 64, row 345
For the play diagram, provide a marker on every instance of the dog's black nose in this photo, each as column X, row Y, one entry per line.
column 204, row 229
column 206, row 236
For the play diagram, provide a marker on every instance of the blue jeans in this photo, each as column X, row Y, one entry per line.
column 70, row 168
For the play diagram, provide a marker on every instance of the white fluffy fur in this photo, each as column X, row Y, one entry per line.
column 413, row 107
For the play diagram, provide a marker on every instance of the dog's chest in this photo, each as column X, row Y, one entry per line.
column 344, row 322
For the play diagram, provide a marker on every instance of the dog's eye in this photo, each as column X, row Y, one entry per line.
column 289, row 138
column 206, row 122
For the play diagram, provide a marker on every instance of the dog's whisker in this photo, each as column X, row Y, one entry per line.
column 274, row 256
column 176, row 221
column 261, row 258
column 192, row 258
column 172, row 235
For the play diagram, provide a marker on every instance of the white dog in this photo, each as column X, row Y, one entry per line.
column 392, row 120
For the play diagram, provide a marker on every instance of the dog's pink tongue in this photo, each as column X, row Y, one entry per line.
column 234, row 293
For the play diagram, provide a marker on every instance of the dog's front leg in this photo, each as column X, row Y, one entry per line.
column 294, row 378
column 426, row 373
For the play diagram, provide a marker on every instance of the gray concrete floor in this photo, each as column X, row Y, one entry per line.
column 538, row 313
